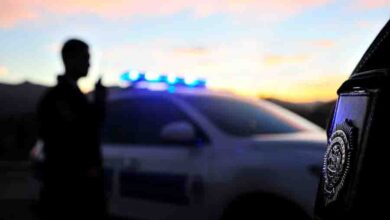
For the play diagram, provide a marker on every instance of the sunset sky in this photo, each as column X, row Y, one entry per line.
column 296, row 50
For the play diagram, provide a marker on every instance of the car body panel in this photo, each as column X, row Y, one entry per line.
column 198, row 181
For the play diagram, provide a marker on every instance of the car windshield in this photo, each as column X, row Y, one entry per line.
column 244, row 118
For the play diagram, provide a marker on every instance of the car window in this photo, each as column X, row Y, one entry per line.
column 140, row 120
column 239, row 118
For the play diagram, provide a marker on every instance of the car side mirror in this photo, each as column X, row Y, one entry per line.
column 178, row 132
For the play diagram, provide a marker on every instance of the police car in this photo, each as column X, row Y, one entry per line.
column 186, row 152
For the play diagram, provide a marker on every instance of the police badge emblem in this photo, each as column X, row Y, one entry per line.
column 337, row 160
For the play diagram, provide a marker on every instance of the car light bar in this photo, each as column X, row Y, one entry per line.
column 134, row 76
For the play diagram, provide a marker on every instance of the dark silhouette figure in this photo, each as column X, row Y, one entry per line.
column 70, row 129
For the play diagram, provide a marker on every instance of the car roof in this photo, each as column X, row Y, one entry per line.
column 127, row 93
column 124, row 93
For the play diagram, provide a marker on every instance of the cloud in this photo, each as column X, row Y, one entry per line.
column 324, row 43
column 364, row 24
column 13, row 12
column 373, row 4
column 274, row 59
column 53, row 47
column 3, row 71
column 232, row 66
column 191, row 51
column 223, row 64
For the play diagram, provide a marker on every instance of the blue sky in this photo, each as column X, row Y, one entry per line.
column 298, row 50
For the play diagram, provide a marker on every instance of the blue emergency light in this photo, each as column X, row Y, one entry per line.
column 135, row 77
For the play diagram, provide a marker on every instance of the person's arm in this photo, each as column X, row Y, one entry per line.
column 100, row 101
column 97, row 119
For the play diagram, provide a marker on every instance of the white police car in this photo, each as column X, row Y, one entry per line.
column 197, row 154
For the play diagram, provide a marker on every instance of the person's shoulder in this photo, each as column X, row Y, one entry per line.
column 54, row 100
column 52, row 95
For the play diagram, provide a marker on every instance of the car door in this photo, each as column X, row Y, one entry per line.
column 150, row 177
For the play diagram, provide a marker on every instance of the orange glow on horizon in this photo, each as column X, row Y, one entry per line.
column 321, row 90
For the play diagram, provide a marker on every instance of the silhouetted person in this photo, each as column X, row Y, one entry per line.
column 70, row 129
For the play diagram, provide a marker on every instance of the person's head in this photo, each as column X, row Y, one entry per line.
column 75, row 56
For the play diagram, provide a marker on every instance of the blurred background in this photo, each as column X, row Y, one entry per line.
column 293, row 53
